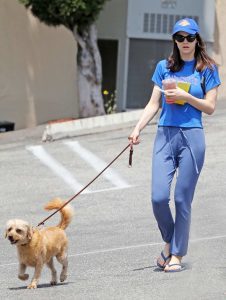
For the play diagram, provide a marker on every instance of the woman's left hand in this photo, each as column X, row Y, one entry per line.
column 175, row 94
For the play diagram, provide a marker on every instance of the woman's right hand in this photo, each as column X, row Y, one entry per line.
column 134, row 137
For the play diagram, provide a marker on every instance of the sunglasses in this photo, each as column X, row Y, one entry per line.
column 180, row 38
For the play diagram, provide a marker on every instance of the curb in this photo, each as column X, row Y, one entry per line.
column 71, row 128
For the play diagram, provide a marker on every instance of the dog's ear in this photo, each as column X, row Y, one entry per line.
column 29, row 232
column 6, row 233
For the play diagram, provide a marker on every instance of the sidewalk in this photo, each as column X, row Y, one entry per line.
column 66, row 129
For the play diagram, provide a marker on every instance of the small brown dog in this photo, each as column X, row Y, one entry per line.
column 37, row 247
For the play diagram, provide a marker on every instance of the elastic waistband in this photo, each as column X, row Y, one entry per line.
column 179, row 128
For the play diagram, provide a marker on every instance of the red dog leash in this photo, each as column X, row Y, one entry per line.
column 73, row 197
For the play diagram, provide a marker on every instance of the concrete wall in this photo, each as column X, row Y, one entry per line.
column 219, row 47
column 111, row 25
column 37, row 69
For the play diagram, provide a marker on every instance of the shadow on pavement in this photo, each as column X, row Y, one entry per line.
column 40, row 286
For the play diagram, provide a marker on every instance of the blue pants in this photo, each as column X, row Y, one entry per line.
column 181, row 149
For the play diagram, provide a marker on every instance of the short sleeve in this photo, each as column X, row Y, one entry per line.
column 158, row 74
column 212, row 79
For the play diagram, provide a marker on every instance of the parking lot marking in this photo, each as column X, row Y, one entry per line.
column 144, row 245
column 56, row 167
column 107, row 190
column 97, row 164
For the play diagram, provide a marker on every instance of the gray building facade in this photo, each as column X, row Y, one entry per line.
column 134, row 35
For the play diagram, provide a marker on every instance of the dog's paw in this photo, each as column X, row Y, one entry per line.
column 32, row 286
column 53, row 282
column 23, row 276
column 63, row 277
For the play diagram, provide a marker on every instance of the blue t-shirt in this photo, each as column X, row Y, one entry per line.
column 185, row 115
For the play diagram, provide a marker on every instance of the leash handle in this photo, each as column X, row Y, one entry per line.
column 73, row 197
column 131, row 156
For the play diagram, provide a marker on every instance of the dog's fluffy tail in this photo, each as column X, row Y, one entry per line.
column 67, row 211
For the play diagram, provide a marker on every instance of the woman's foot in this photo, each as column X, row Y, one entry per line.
column 164, row 258
column 174, row 264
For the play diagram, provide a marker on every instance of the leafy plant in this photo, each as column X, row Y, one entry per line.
column 110, row 104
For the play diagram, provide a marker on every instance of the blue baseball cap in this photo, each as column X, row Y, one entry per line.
column 186, row 25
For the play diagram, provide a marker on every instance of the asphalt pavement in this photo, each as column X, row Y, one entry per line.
column 113, row 238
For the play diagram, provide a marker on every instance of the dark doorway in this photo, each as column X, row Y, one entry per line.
column 109, row 55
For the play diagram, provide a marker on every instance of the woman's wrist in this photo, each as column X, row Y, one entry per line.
column 189, row 98
column 138, row 130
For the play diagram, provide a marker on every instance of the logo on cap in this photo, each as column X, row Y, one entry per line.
column 184, row 23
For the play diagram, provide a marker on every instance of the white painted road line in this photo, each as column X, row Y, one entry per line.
column 56, row 167
column 97, row 164
column 107, row 190
column 208, row 238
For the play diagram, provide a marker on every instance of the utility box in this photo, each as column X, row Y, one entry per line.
column 6, row 126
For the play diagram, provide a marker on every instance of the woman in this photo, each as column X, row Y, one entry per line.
column 179, row 143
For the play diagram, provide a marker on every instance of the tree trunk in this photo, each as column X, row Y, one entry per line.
column 89, row 73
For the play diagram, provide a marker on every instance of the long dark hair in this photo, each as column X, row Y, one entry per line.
column 203, row 60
